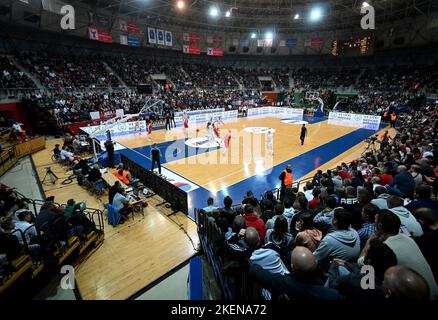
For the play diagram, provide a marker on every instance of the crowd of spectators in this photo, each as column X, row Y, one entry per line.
column 24, row 232
column 12, row 77
column 207, row 76
column 400, row 79
column 70, row 108
column 66, row 72
column 321, row 79
column 380, row 211
column 194, row 86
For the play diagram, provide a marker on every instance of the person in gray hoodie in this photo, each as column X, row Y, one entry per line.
column 381, row 199
column 343, row 243
column 395, row 204
column 323, row 220
column 288, row 212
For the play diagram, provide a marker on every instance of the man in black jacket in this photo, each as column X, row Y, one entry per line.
column 109, row 146
column 156, row 158
column 227, row 212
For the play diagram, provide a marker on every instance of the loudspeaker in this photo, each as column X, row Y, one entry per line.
column 245, row 49
column 259, row 49
column 145, row 89
column 232, row 49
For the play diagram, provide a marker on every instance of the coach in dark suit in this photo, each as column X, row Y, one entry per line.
column 155, row 157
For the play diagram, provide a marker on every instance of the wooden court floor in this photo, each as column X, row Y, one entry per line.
column 133, row 255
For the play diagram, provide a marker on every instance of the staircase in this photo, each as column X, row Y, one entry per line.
column 27, row 73
column 110, row 70
column 187, row 76
column 185, row 72
column 362, row 71
column 238, row 82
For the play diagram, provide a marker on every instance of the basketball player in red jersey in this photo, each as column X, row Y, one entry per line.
column 227, row 142
column 186, row 126
column 216, row 129
column 150, row 130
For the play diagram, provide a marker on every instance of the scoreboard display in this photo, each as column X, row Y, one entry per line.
column 351, row 47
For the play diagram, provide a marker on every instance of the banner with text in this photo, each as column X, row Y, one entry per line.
column 267, row 43
column 133, row 27
column 189, row 49
column 191, row 37
column 129, row 40
column 152, row 35
column 290, row 113
column 354, row 120
column 289, row 43
column 313, row 42
column 215, row 52
column 100, row 35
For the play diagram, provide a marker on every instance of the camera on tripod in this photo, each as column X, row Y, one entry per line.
column 51, row 175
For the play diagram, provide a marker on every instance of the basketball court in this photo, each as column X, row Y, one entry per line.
column 246, row 164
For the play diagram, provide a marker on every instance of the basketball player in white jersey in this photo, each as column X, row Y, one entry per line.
column 137, row 128
column 210, row 132
column 270, row 142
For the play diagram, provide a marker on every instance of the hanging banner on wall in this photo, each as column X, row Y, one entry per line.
column 124, row 39
column 100, row 35
column 191, row 37
column 133, row 27
column 169, row 39
column 160, row 37
column 133, row 41
column 152, row 35
column 188, row 49
column 289, row 43
column 313, row 42
column 215, row 52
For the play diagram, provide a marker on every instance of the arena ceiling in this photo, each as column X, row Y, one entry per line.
column 260, row 15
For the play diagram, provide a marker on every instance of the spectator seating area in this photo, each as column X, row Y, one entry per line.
column 40, row 236
column 74, row 86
